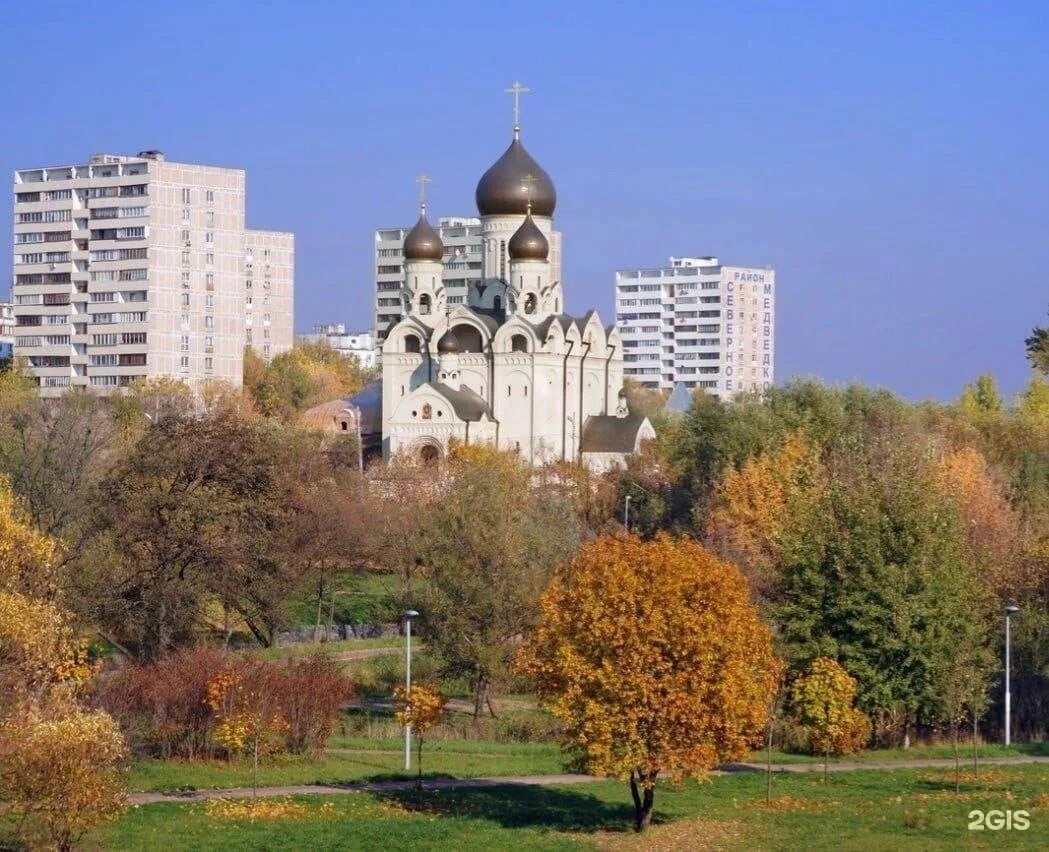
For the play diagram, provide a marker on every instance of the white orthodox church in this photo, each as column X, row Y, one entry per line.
column 509, row 367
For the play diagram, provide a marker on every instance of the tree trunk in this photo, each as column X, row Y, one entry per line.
column 480, row 696
column 957, row 759
column 320, row 611
column 976, row 762
column 768, row 765
column 488, row 701
column 826, row 760
column 255, row 770
column 642, row 789
column 419, row 765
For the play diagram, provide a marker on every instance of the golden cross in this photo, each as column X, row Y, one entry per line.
column 422, row 180
column 517, row 90
column 528, row 182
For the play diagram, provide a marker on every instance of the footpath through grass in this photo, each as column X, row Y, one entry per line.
column 876, row 810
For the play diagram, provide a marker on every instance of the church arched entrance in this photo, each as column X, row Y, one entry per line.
column 428, row 451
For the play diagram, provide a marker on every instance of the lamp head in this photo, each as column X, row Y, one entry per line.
column 1011, row 610
column 411, row 613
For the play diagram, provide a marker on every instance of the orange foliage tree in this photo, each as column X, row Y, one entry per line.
column 654, row 659
column 754, row 504
column 420, row 707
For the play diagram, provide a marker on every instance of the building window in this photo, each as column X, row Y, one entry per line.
column 187, row 197
column 210, row 196
column 411, row 343
column 518, row 343
column 209, row 364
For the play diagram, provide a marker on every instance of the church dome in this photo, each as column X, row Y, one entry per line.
column 528, row 242
column 503, row 190
column 448, row 344
column 422, row 242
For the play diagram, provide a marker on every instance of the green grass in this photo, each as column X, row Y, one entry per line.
column 906, row 809
column 938, row 751
column 372, row 759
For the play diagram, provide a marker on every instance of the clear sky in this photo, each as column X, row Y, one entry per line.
column 889, row 158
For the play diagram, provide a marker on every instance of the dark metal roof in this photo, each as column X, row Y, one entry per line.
column 528, row 242
column 449, row 342
column 466, row 404
column 369, row 402
column 423, row 242
column 608, row 434
column 503, row 190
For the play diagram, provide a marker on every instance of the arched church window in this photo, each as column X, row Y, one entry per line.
column 424, row 304
column 429, row 454
column 411, row 343
column 469, row 338
column 427, row 412
column 530, row 303
column 518, row 343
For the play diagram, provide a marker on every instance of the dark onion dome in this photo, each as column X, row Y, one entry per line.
column 422, row 242
column 528, row 242
column 504, row 191
column 448, row 344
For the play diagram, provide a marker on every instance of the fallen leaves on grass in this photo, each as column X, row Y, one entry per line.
column 783, row 804
column 986, row 776
column 264, row 810
column 691, row 834
column 1040, row 801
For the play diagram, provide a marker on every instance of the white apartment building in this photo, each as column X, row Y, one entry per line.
column 461, row 237
column 132, row 266
column 7, row 331
column 354, row 344
column 700, row 323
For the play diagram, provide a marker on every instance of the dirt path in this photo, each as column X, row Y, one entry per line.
column 538, row 780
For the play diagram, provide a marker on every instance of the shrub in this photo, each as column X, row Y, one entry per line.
column 165, row 709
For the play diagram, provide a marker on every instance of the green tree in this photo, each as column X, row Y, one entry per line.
column 490, row 544
column 822, row 700
column 302, row 377
column 982, row 396
column 1037, row 346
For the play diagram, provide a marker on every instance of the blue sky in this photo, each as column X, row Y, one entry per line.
column 888, row 159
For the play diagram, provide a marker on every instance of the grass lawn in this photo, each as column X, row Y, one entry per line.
column 373, row 759
column 904, row 809
column 915, row 752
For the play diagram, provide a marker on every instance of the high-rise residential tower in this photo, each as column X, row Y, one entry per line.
column 461, row 237
column 698, row 322
column 133, row 266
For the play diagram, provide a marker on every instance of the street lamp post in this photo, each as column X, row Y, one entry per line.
column 626, row 512
column 1010, row 611
column 408, row 616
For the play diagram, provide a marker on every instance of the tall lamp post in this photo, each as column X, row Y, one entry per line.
column 626, row 512
column 408, row 616
column 1010, row 611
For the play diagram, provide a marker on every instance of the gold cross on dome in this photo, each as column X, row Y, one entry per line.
column 528, row 182
column 517, row 90
column 422, row 180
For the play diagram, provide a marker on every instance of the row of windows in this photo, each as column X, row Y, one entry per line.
column 133, row 191
column 43, row 278
column 128, row 337
column 119, row 212
column 47, row 340
column 119, row 254
column 127, row 359
column 49, row 195
column 43, row 257
column 43, row 216
column 120, row 275
column 127, row 316
column 187, row 196
column 137, row 232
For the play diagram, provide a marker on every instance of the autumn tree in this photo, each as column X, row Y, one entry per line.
column 822, row 699
column 654, row 659
column 490, row 544
column 982, row 396
column 755, row 503
column 420, row 708
column 304, row 376
column 246, row 702
column 59, row 764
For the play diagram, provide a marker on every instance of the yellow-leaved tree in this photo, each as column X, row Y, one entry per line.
column 822, row 701
column 654, row 659
column 59, row 764
column 420, row 707
column 754, row 504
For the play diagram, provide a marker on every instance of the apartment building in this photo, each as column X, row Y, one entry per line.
column 359, row 345
column 7, row 331
column 269, row 291
column 461, row 237
column 133, row 266
column 700, row 323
